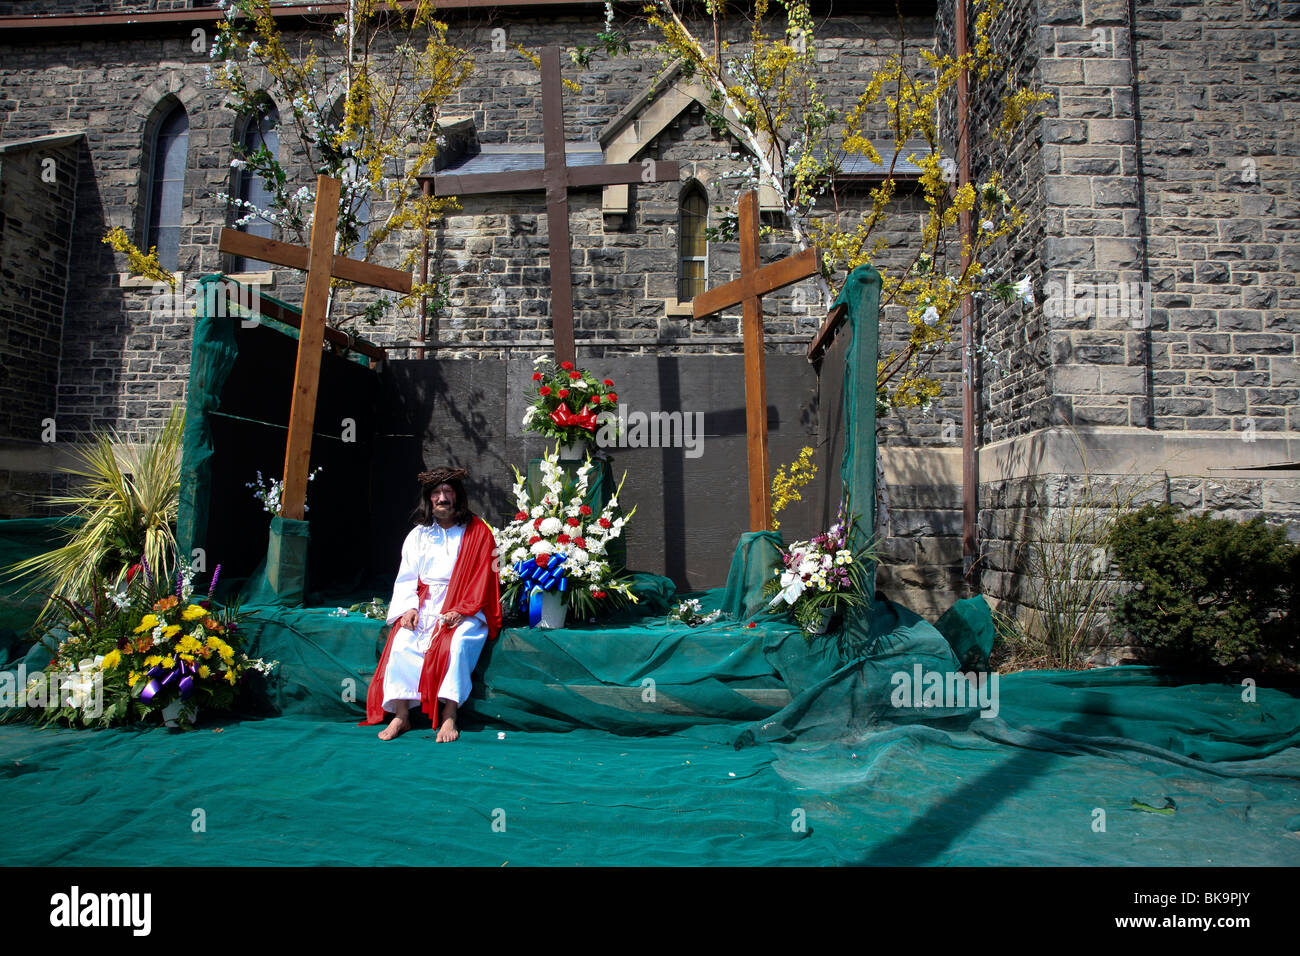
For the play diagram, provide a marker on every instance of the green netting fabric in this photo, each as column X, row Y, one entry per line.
column 968, row 628
column 282, row 578
column 23, row 538
column 212, row 356
column 756, row 557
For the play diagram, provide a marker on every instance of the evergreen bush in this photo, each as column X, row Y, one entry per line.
column 1207, row 590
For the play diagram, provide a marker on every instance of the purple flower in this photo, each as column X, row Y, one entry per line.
column 213, row 586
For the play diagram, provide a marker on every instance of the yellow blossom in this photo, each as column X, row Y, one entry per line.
column 193, row 612
column 111, row 659
column 147, row 623
column 205, row 671
column 171, row 630
column 132, row 679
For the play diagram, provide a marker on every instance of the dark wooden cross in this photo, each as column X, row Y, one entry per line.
column 556, row 178
column 320, row 263
column 753, row 284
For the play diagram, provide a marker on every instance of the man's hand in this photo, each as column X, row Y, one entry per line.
column 453, row 619
column 410, row 619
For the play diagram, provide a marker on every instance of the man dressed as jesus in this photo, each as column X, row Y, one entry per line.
column 446, row 605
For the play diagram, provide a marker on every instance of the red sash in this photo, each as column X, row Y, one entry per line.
column 474, row 587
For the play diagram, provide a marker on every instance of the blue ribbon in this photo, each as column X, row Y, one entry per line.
column 535, row 580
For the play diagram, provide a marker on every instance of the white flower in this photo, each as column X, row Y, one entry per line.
column 528, row 415
column 542, row 547
column 551, row 526
column 1025, row 289
column 578, row 556
column 252, row 48
column 987, row 225
column 519, row 554
column 537, row 511
column 931, row 316
column 541, row 360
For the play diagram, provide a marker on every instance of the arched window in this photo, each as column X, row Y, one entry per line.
column 262, row 130
column 166, row 188
column 694, row 248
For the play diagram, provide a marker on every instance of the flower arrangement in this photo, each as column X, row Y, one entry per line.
column 269, row 491
column 561, row 533
column 568, row 401
column 140, row 649
column 820, row 578
column 688, row 612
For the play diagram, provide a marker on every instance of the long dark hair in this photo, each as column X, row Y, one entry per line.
column 423, row 513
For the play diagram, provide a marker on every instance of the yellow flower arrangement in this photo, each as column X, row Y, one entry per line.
column 785, row 488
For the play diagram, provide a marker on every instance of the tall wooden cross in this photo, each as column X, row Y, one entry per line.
column 749, row 290
column 556, row 178
column 320, row 263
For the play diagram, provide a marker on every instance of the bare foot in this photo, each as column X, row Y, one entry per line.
column 398, row 726
column 448, row 732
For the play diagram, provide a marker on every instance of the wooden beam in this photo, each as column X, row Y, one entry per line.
column 761, row 282
column 296, row 257
column 826, row 334
column 760, row 508
column 306, row 379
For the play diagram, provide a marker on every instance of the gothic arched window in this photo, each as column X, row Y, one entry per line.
column 166, row 187
column 694, row 249
column 260, row 130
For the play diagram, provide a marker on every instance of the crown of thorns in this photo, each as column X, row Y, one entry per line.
column 441, row 475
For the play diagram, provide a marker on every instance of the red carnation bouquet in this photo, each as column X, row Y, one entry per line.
column 568, row 401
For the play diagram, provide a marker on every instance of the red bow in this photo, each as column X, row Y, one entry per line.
column 564, row 418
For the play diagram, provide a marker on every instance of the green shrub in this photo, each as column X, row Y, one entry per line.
column 1207, row 590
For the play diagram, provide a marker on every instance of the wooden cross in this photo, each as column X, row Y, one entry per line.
column 556, row 178
column 320, row 263
column 748, row 290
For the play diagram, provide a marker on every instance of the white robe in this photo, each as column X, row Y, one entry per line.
column 428, row 555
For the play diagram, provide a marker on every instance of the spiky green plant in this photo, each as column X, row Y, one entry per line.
column 127, row 501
